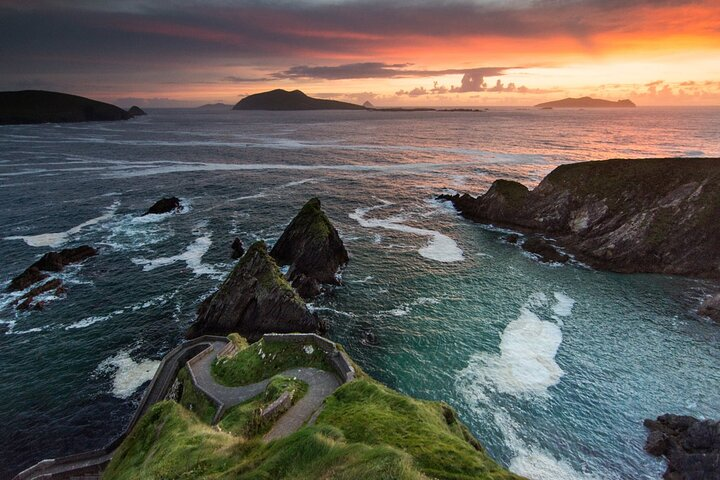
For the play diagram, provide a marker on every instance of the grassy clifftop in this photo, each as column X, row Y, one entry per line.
column 365, row 430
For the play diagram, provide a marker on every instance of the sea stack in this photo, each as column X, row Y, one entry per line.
column 164, row 205
column 312, row 248
column 645, row 215
column 136, row 111
column 253, row 300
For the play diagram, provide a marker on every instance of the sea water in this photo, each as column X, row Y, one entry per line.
column 552, row 367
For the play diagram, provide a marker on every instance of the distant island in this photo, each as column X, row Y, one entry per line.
column 280, row 99
column 215, row 106
column 586, row 102
column 38, row 106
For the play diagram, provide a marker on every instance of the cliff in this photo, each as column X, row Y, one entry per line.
column 296, row 100
column 37, row 106
column 586, row 102
column 650, row 215
column 254, row 299
column 312, row 247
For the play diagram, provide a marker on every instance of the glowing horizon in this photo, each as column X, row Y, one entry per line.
column 469, row 53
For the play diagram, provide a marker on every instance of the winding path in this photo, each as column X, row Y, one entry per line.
column 321, row 384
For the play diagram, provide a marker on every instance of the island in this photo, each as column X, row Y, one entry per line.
column 585, row 102
column 215, row 107
column 136, row 111
column 39, row 106
column 280, row 99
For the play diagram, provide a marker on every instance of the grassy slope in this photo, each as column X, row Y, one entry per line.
column 248, row 366
column 193, row 399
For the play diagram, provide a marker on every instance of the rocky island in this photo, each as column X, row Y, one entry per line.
column 295, row 100
column 645, row 215
column 586, row 102
column 38, row 106
column 136, row 111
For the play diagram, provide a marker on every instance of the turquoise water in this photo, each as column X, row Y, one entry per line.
column 552, row 367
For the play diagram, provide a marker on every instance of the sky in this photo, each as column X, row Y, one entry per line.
column 179, row 53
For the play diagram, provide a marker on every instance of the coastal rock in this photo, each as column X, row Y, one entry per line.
column 586, row 102
column 312, row 247
column 136, row 111
column 543, row 249
column 165, row 205
column 28, row 300
column 513, row 238
column 50, row 262
column 253, row 300
column 691, row 446
column 711, row 307
column 238, row 250
column 644, row 215
column 280, row 99
column 38, row 106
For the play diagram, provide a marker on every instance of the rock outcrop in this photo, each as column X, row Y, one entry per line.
column 586, row 102
column 38, row 106
column 711, row 307
column 296, row 100
column 136, row 111
column 253, row 300
column 691, row 446
column 35, row 273
column 544, row 250
column 645, row 215
column 238, row 250
column 313, row 249
column 165, row 205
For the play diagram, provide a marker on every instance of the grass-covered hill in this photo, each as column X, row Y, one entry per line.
column 364, row 431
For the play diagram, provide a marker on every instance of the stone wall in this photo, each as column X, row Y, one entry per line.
column 338, row 359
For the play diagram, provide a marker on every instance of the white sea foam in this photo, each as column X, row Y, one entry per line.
column 192, row 256
column 440, row 248
column 564, row 305
column 58, row 238
column 86, row 322
column 128, row 374
column 297, row 182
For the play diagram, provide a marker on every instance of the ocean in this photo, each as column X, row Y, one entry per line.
column 552, row 367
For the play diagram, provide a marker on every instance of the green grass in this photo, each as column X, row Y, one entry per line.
column 244, row 420
column 193, row 399
column 248, row 366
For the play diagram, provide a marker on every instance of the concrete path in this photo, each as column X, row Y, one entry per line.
column 321, row 384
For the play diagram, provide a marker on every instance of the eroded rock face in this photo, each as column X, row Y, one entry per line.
column 711, row 307
column 253, row 300
column 691, row 446
column 312, row 247
column 645, row 215
column 238, row 250
column 164, row 205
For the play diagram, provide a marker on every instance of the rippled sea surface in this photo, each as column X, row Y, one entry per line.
column 552, row 367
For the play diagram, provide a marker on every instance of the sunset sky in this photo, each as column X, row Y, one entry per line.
column 464, row 52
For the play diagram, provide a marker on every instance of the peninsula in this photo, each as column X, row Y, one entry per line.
column 280, row 99
column 586, row 102
column 39, row 106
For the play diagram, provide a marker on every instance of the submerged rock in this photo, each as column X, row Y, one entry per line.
column 164, row 205
column 28, row 300
column 513, row 238
column 238, row 250
column 50, row 262
column 645, row 215
column 312, row 247
column 253, row 300
column 711, row 307
column 691, row 446
column 543, row 249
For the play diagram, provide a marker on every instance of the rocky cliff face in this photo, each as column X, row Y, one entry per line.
column 312, row 248
column 691, row 446
column 649, row 215
column 253, row 300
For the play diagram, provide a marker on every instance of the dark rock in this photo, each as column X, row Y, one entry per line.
column 37, row 106
column 691, row 446
column 543, row 249
column 307, row 287
column 644, row 215
column 28, row 300
column 586, row 102
column 711, row 307
column 136, row 111
column 237, row 248
column 253, row 300
column 311, row 246
column 164, row 205
column 512, row 238
column 50, row 262
column 296, row 100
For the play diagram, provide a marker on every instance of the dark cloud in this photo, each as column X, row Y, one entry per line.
column 377, row 70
